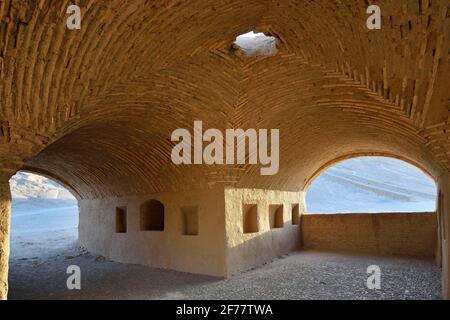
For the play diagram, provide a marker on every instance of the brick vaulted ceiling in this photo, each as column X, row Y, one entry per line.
column 96, row 107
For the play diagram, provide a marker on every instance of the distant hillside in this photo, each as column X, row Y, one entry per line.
column 30, row 186
column 374, row 184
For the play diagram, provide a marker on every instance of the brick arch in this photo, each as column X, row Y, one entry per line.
column 95, row 107
column 432, row 173
column 52, row 176
column 122, row 43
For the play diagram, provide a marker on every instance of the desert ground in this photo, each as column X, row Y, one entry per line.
column 44, row 244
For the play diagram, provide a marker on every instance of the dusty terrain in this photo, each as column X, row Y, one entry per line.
column 302, row 275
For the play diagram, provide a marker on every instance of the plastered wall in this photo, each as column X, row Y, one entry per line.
column 444, row 186
column 223, row 247
column 5, row 208
column 408, row 234
column 95, row 108
column 169, row 249
column 245, row 251
column 220, row 249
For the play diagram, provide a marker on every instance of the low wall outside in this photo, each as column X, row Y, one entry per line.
column 405, row 234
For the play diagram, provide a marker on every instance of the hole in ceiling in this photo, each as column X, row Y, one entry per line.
column 256, row 44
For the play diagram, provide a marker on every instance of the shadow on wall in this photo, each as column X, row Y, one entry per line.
column 262, row 248
column 261, row 225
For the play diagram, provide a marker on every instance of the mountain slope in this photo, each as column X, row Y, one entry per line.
column 372, row 184
column 26, row 185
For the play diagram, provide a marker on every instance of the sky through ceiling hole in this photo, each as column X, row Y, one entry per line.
column 256, row 44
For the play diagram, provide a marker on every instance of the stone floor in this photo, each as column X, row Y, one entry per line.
column 301, row 275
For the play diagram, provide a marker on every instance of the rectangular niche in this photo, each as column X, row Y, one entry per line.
column 121, row 219
column 250, row 213
column 276, row 220
column 152, row 216
column 295, row 214
column 189, row 216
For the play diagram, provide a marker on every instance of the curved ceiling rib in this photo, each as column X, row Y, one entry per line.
column 97, row 106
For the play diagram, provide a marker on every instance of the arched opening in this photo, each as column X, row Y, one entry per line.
column 44, row 224
column 372, row 205
column 152, row 216
column 102, row 119
column 276, row 216
column 370, row 185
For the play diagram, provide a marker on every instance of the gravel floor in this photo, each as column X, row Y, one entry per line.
column 301, row 275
